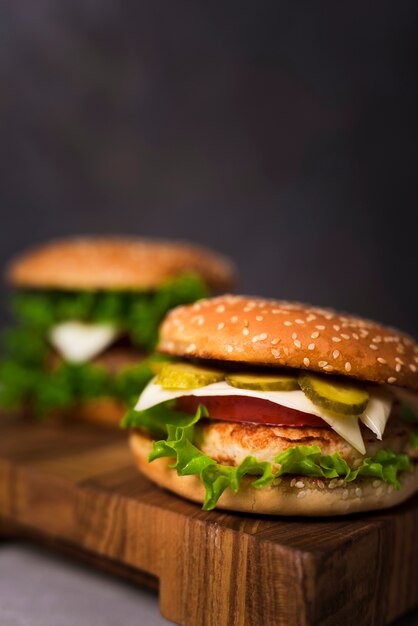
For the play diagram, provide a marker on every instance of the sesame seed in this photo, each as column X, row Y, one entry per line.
column 275, row 341
column 311, row 317
column 347, row 366
column 191, row 347
column 287, row 323
column 345, row 494
column 336, row 339
column 359, row 492
column 399, row 360
column 391, row 379
column 245, row 331
column 201, row 321
column 297, row 343
column 298, row 321
column 376, row 483
column 336, row 327
column 306, row 361
column 412, row 367
column 293, row 482
column 301, row 494
column 255, row 338
column 320, row 327
column 229, row 348
column 328, row 368
column 345, row 336
column 275, row 353
column 259, row 318
column 315, row 335
column 320, row 484
column 220, row 326
column 381, row 360
column 398, row 367
column 333, row 483
column 322, row 363
column 373, row 346
column 377, row 339
column 355, row 336
column 262, row 336
column 220, row 308
column 335, row 354
column 311, row 346
column 234, row 319
column 299, row 484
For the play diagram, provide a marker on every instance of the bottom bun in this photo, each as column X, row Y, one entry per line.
column 103, row 411
column 288, row 495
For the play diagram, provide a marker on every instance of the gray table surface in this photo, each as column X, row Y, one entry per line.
column 41, row 589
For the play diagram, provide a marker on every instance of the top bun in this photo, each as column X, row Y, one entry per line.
column 271, row 332
column 117, row 263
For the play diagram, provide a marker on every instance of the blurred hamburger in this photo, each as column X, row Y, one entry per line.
column 280, row 408
column 88, row 311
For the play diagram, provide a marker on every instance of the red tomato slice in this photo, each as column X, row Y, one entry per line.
column 251, row 410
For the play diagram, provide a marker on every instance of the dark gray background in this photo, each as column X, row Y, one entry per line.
column 282, row 132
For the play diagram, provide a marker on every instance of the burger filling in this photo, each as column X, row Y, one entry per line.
column 223, row 426
column 69, row 346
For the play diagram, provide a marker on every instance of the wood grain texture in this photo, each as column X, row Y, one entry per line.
column 75, row 489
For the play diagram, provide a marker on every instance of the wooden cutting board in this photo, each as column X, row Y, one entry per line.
column 76, row 489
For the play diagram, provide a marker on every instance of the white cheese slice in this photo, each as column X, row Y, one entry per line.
column 79, row 342
column 347, row 426
column 377, row 411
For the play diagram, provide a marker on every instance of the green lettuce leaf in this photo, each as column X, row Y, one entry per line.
column 61, row 388
column 414, row 439
column 179, row 444
column 158, row 419
column 24, row 374
column 139, row 313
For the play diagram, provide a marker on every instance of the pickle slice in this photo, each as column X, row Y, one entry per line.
column 263, row 382
column 333, row 395
column 156, row 362
column 187, row 376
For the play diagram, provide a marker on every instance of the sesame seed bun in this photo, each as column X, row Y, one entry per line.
column 103, row 411
column 117, row 263
column 303, row 495
column 276, row 333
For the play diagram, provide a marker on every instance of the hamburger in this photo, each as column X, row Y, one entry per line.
column 280, row 408
column 87, row 315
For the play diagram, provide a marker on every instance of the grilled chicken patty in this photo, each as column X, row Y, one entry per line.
column 229, row 442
